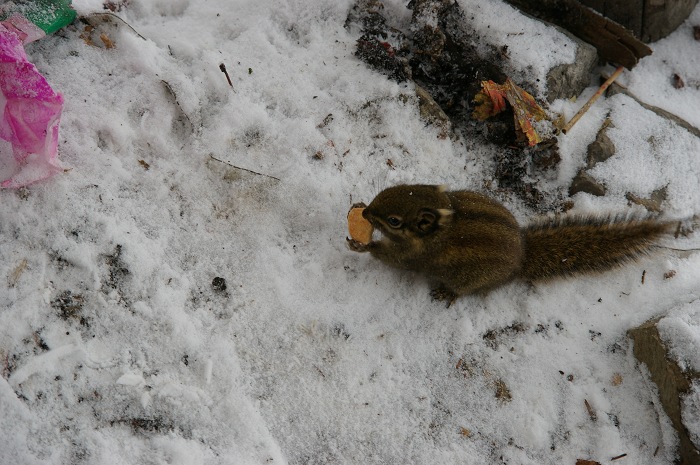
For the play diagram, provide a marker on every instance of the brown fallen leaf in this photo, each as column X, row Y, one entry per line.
column 591, row 412
column 678, row 82
column 115, row 5
column 86, row 35
column 616, row 379
column 16, row 273
column 502, row 391
column 587, row 462
column 107, row 41
column 465, row 432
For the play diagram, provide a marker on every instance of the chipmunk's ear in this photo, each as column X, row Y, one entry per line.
column 429, row 219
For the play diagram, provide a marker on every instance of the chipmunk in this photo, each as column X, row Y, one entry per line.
column 470, row 244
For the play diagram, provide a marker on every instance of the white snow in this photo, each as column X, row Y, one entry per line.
column 116, row 348
column 533, row 47
column 676, row 54
column 680, row 331
column 690, row 405
column 651, row 153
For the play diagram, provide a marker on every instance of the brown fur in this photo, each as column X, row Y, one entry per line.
column 572, row 245
column 469, row 243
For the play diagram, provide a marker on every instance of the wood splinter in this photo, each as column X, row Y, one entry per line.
column 591, row 412
column 222, row 67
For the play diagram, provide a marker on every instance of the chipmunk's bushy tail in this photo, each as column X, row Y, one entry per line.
column 572, row 245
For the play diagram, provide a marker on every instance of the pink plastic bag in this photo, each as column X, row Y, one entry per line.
column 30, row 112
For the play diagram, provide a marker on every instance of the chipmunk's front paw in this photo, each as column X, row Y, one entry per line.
column 442, row 294
column 356, row 246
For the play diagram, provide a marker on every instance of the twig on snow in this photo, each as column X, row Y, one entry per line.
column 244, row 169
column 592, row 100
column 112, row 15
column 222, row 67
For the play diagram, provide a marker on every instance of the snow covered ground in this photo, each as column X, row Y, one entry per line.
column 118, row 345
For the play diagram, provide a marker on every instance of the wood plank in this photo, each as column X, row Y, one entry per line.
column 614, row 43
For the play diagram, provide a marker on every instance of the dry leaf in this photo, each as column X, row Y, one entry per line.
column 587, row 462
column 16, row 273
column 465, row 432
column 106, row 40
column 591, row 412
column 502, row 392
column 326, row 121
column 678, row 81
column 116, row 5
column 86, row 35
column 490, row 101
column 616, row 379
column 526, row 111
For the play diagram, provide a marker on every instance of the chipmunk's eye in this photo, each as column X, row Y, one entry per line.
column 394, row 221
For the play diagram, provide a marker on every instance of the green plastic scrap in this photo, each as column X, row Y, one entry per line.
column 47, row 15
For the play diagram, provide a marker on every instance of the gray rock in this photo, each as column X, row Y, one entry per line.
column 602, row 147
column 569, row 79
column 670, row 380
column 584, row 182
column 653, row 203
column 431, row 112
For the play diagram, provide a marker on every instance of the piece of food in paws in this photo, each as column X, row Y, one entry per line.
column 359, row 228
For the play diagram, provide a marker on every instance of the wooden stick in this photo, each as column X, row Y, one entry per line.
column 592, row 100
